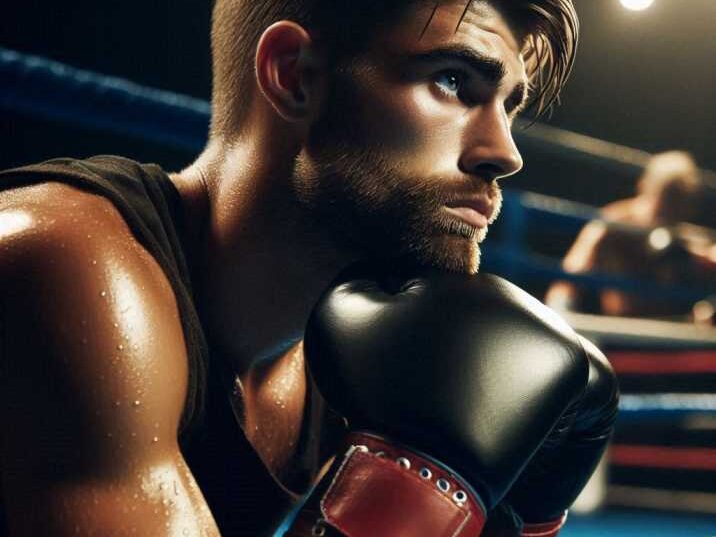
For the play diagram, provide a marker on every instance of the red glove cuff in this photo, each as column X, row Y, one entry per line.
column 544, row 529
column 382, row 490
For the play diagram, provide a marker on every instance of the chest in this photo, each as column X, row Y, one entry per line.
column 273, row 403
column 269, row 432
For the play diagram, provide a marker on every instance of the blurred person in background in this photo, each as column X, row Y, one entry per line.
column 646, row 238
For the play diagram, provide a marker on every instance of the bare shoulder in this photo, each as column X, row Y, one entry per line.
column 620, row 210
column 94, row 374
column 70, row 261
column 46, row 215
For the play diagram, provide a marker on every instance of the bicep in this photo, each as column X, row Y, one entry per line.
column 581, row 257
column 94, row 377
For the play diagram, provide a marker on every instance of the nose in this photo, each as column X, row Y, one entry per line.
column 489, row 151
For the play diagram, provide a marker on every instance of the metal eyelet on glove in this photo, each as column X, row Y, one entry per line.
column 443, row 484
column 460, row 497
column 403, row 462
column 319, row 528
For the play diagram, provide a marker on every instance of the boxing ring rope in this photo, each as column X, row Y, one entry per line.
column 585, row 147
column 52, row 90
column 48, row 89
column 609, row 156
column 645, row 333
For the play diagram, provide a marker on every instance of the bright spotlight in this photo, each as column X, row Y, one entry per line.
column 636, row 5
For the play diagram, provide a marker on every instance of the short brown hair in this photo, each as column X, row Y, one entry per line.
column 550, row 29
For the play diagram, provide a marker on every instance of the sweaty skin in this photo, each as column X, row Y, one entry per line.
column 95, row 372
column 94, row 376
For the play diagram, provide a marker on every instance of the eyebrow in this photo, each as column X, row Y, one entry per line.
column 491, row 69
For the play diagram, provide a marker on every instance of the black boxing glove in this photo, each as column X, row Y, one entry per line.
column 558, row 472
column 460, row 378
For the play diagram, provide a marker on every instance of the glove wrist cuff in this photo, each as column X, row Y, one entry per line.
column 544, row 529
column 381, row 489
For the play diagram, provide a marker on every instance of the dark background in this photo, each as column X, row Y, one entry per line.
column 643, row 79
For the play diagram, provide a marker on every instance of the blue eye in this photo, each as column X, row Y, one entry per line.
column 449, row 82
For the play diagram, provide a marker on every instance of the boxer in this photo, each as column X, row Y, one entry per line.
column 643, row 237
column 153, row 381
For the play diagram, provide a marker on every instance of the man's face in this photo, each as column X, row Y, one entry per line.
column 414, row 134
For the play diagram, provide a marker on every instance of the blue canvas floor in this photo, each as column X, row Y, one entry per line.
column 634, row 524
column 639, row 524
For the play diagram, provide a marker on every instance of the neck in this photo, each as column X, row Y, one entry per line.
column 263, row 261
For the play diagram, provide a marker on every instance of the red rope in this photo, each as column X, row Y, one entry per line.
column 677, row 458
column 661, row 363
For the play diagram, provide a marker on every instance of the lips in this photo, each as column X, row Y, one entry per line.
column 473, row 211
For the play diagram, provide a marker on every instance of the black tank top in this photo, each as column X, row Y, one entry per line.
column 244, row 498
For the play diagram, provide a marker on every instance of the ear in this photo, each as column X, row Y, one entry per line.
column 285, row 70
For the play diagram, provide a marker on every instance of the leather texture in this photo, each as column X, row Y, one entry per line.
column 558, row 472
column 471, row 370
column 373, row 494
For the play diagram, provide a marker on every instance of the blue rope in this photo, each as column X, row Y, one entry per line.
column 52, row 90
column 502, row 260
column 665, row 406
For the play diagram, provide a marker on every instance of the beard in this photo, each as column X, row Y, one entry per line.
column 356, row 192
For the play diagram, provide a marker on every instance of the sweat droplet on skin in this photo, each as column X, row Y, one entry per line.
column 103, row 294
column 136, row 402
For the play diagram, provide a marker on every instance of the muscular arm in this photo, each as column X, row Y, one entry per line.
column 94, row 376
column 564, row 295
